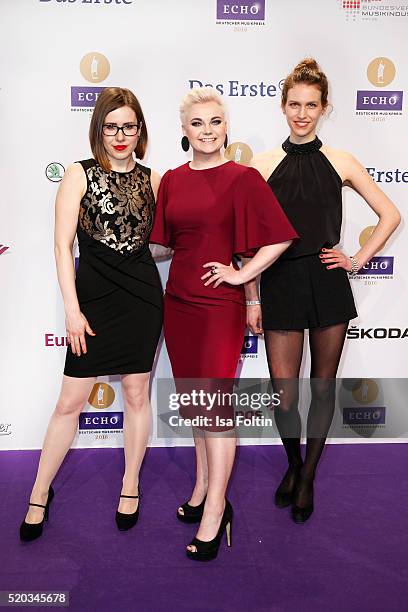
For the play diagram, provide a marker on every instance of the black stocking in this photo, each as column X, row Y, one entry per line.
column 284, row 351
column 326, row 345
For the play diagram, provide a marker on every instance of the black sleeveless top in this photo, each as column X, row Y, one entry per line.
column 118, row 207
column 309, row 190
column 114, row 224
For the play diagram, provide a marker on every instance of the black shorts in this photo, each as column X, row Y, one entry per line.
column 301, row 294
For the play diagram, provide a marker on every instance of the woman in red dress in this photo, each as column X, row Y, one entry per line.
column 208, row 211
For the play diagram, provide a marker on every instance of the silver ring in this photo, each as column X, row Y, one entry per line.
column 213, row 270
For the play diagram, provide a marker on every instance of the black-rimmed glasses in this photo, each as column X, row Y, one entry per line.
column 128, row 129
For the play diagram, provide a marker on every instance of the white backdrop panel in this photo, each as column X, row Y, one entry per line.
column 159, row 49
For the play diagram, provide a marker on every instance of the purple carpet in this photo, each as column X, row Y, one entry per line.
column 351, row 555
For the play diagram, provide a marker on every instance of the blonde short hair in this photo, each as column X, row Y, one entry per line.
column 199, row 95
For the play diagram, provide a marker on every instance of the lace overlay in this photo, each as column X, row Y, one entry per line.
column 118, row 208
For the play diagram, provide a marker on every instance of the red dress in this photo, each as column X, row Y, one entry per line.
column 211, row 215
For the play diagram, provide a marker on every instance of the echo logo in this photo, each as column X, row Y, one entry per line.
column 84, row 97
column 94, row 67
column 365, row 391
column 239, row 152
column 102, row 396
column 384, row 100
column 250, row 346
column 93, row 420
column 381, row 71
column 237, row 10
column 364, row 416
column 378, row 266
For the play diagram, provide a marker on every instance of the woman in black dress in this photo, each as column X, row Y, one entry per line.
column 308, row 288
column 113, row 307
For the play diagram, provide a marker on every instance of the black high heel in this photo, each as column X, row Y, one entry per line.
column 127, row 521
column 32, row 531
column 302, row 514
column 206, row 551
column 284, row 493
column 192, row 514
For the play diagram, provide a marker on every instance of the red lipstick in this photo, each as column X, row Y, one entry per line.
column 120, row 147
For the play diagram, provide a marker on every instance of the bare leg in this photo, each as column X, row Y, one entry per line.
column 136, row 431
column 220, row 450
column 201, row 484
column 60, row 434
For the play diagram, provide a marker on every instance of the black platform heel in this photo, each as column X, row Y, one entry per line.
column 32, row 531
column 127, row 521
column 284, row 494
column 207, row 551
column 192, row 514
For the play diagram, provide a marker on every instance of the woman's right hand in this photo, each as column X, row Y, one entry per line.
column 76, row 325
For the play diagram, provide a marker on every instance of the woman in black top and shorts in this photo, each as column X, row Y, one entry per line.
column 308, row 287
column 113, row 307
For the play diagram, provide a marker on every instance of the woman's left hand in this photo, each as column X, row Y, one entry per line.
column 221, row 274
column 336, row 259
column 254, row 319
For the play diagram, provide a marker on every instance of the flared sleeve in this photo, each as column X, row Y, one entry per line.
column 258, row 217
column 161, row 233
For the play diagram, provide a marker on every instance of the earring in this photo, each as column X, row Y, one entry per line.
column 226, row 141
column 185, row 144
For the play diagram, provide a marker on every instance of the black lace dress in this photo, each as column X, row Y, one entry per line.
column 117, row 281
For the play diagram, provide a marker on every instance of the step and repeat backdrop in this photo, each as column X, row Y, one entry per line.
column 59, row 54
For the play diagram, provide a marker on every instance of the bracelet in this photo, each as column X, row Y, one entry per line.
column 354, row 266
column 253, row 303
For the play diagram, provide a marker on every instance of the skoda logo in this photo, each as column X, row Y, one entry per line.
column 54, row 172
